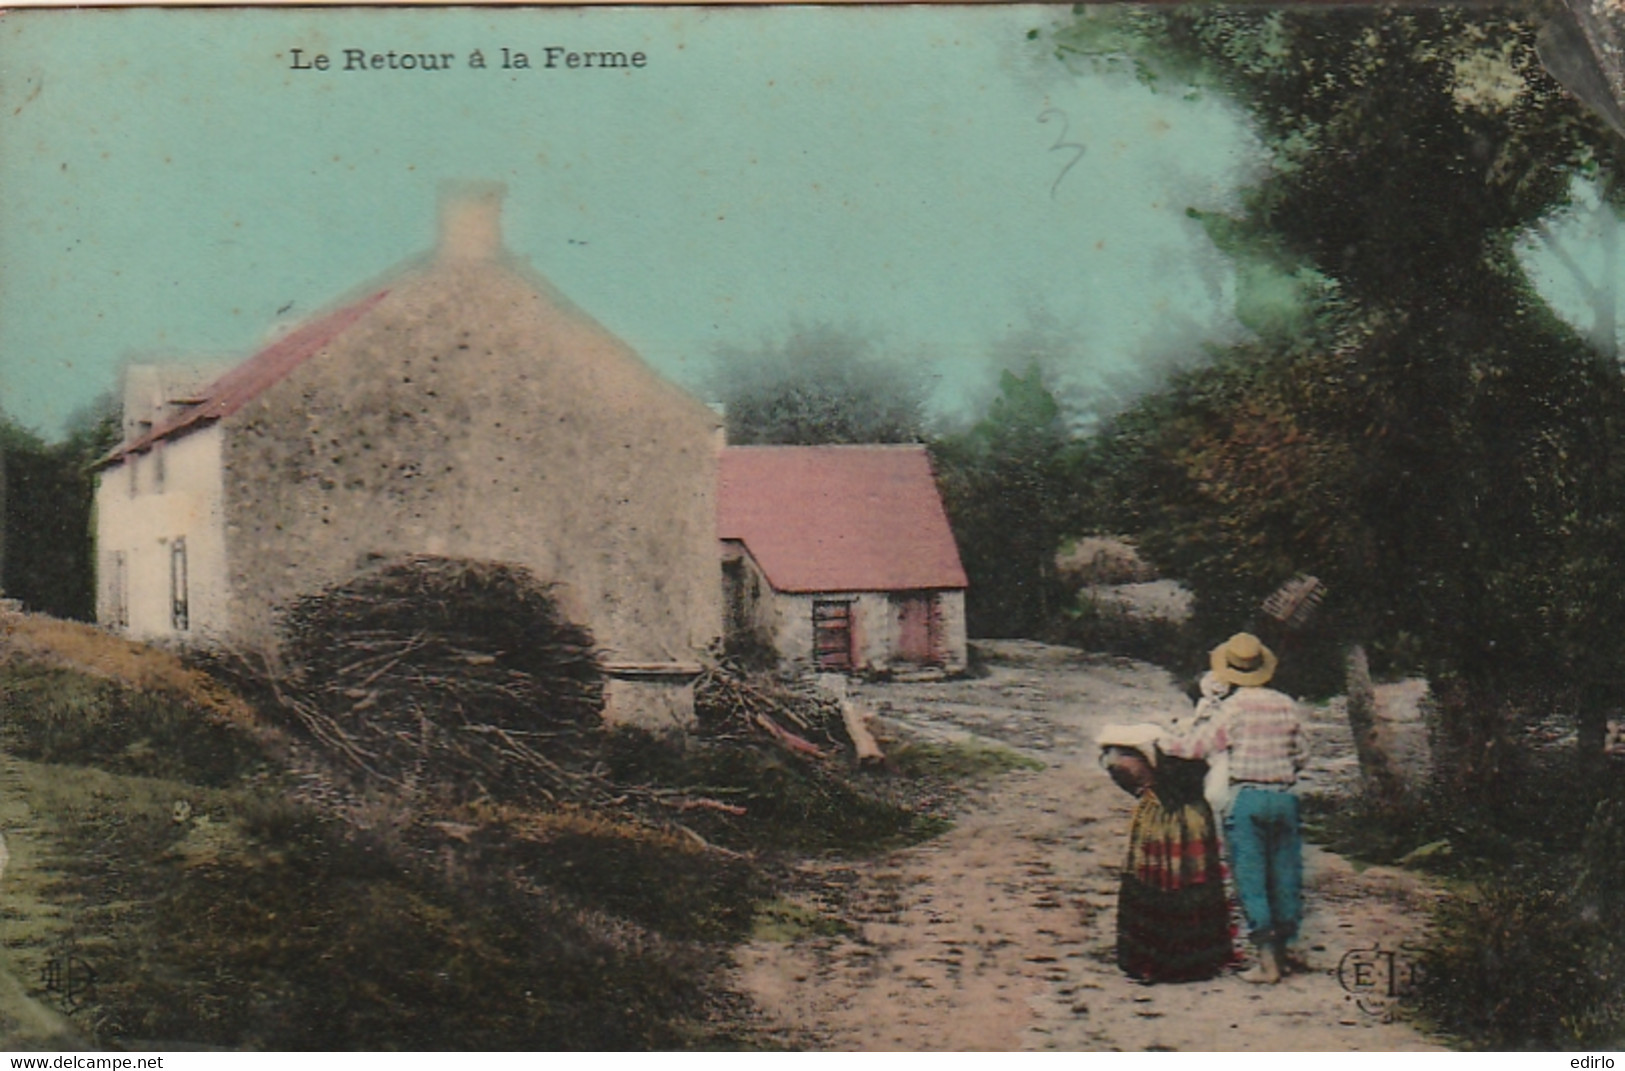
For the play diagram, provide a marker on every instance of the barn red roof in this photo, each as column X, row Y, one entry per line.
column 244, row 383
column 839, row 518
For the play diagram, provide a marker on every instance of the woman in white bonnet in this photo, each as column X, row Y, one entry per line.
column 1173, row 918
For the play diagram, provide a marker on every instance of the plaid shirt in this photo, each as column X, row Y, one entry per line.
column 1260, row 729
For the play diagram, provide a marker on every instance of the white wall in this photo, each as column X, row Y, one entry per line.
column 876, row 622
column 875, row 628
column 792, row 626
column 176, row 493
column 954, row 638
column 785, row 620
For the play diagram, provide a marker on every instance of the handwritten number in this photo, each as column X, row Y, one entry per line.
column 1061, row 144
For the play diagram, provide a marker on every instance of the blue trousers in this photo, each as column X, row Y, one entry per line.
column 1266, row 861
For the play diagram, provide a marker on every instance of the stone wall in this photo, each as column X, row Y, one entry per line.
column 475, row 413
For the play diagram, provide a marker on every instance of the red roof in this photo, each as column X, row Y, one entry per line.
column 245, row 382
column 839, row 518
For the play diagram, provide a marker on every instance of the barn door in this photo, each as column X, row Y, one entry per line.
column 918, row 629
column 832, row 635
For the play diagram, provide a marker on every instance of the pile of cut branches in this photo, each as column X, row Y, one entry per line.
column 802, row 718
column 455, row 677
column 453, row 686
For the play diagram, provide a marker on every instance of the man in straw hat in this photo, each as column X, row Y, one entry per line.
column 1259, row 727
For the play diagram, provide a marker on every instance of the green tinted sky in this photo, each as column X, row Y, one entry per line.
column 172, row 189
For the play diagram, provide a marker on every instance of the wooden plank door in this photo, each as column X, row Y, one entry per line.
column 832, row 635
column 918, row 629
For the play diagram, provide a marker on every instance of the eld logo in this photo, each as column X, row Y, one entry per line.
column 69, row 978
column 1377, row 978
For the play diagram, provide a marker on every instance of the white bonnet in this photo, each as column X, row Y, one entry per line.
column 1142, row 738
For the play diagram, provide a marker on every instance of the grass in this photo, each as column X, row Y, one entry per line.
column 785, row 920
column 64, row 715
column 255, row 923
column 790, row 804
column 218, row 910
column 1367, row 837
column 1511, row 963
column 309, row 942
column 241, row 919
column 959, row 760
column 47, row 642
column 668, row 886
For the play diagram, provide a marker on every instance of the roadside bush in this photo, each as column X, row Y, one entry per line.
column 1101, row 560
column 1106, row 628
column 63, row 716
column 1516, row 964
column 1526, row 949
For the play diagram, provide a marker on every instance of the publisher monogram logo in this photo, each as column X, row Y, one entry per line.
column 1378, row 979
column 69, row 978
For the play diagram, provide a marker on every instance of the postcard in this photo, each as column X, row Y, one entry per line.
column 840, row 528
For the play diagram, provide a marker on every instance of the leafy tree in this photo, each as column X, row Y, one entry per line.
column 1450, row 451
column 1006, row 489
column 818, row 384
column 47, row 550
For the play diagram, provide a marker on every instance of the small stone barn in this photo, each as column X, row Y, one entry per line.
column 840, row 558
column 461, row 408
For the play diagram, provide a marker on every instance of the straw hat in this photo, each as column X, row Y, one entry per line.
column 1243, row 661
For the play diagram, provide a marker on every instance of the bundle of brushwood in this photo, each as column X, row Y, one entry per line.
column 457, row 678
column 731, row 703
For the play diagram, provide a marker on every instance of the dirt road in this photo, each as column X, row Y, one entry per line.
column 1000, row 934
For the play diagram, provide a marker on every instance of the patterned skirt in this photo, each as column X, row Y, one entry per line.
column 1173, row 919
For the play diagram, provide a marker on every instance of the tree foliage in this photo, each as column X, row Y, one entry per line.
column 47, row 549
column 818, row 384
column 1427, row 435
column 1005, row 484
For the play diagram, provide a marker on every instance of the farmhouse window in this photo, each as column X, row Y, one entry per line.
column 180, row 616
column 118, row 599
column 133, row 460
column 832, row 634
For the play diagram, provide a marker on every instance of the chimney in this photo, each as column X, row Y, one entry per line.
column 721, row 433
column 470, row 220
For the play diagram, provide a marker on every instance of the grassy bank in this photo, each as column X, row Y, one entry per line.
column 190, row 855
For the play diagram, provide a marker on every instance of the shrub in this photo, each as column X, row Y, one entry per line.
column 1516, row 965
column 1108, row 628
column 1525, row 950
column 63, row 716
